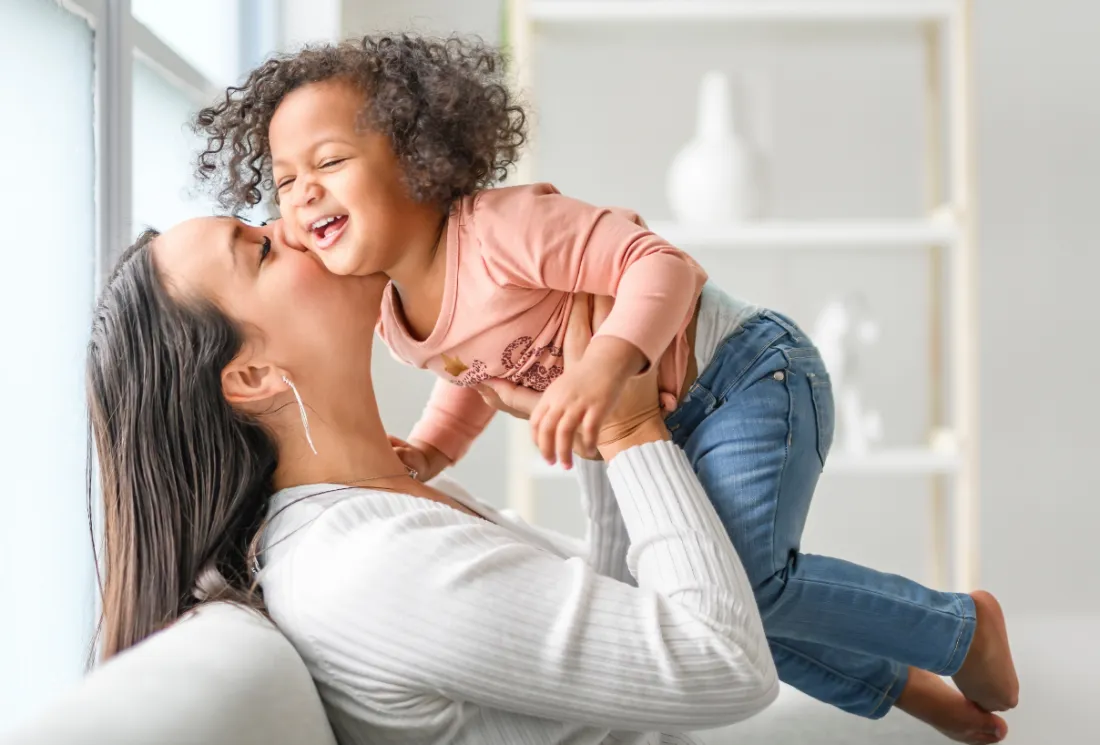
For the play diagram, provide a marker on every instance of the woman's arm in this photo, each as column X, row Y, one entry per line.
column 606, row 539
column 446, row 604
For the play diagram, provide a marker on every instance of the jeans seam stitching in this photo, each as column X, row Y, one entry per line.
column 822, row 452
column 787, row 325
column 750, row 364
column 884, row 693
column 958, row 641
column 782, row 468
column 905, row 601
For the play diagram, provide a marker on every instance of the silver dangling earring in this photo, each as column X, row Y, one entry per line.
column 302, row 411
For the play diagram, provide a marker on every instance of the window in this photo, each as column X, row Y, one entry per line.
column 164, row 152
column 98, row 97
column 205, row 33
column 46, row 290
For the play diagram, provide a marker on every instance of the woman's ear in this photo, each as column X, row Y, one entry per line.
column 246, row 383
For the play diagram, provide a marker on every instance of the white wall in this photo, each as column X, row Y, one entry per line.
column 309, row 21
column 1038, row 84
column 846, row 128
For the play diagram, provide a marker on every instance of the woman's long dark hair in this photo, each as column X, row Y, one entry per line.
column 184, row 477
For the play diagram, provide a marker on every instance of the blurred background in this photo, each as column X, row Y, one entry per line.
column 849, row 140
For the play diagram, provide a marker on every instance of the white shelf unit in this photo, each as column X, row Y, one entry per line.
column 880, row 235
column 947, row 234
column 761, row 11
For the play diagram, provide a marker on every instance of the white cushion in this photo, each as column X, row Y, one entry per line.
column 223, row 676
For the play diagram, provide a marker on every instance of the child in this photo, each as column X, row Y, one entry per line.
column 380, row 153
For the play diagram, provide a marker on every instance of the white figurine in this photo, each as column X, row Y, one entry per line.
column 840, row 330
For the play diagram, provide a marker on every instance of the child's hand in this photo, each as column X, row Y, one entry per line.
column 571, row 412
column 420, row 457
column 576, row 404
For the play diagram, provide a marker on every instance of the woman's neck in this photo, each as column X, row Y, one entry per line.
column 350, row 439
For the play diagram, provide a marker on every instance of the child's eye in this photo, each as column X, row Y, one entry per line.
column 333, row 162
column 284, row 184
column 265, row 249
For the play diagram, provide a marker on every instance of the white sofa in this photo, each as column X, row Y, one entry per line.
column 223, row 676
column 227, row 677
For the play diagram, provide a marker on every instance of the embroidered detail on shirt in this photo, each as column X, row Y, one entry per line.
column 537, row 377
column 454, row 366
column 477, row 373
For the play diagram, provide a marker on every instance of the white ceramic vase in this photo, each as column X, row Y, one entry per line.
column 711, row 178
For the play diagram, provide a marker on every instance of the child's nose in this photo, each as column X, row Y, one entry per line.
column 306, row 193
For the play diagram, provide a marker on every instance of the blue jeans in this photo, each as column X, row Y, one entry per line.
column 757, row 426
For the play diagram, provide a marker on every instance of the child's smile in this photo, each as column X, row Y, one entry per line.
column 327, row 230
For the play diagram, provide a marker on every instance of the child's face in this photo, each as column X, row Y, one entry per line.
column 340, row 185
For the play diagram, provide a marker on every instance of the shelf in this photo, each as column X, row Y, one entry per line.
column 762, row 11
column 856, row 234
column 896, row 462
column 900, row 462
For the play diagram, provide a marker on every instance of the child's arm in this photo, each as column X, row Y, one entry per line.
column 536, row 238
column 452, row 420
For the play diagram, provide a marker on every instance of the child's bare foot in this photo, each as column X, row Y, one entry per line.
column 930, row 699
column 988, row 676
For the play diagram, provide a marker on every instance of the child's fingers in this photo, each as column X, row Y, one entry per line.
column 567, row 427
column 537, row 415
column 411, row 460
column 397, row 442
column 545, row 435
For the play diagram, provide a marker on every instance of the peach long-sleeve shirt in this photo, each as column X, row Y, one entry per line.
column 515, row 258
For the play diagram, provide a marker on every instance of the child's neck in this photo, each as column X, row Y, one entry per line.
column 420, row 281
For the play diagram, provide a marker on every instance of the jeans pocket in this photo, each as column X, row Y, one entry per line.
column 821, row 390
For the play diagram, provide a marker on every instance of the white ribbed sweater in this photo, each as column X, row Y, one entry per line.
column 422, row 624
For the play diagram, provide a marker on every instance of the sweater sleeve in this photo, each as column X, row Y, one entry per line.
column 453, row 418
column 458, row 607
column 534, row 237
column 606, row 539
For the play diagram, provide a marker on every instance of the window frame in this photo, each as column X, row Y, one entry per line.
column 120, row 39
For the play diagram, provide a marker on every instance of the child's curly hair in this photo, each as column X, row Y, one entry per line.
column 451, row 119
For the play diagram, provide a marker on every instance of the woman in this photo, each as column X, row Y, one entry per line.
column 227, row 382
column 421, row 618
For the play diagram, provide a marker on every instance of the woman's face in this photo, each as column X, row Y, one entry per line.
column 297, row 317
